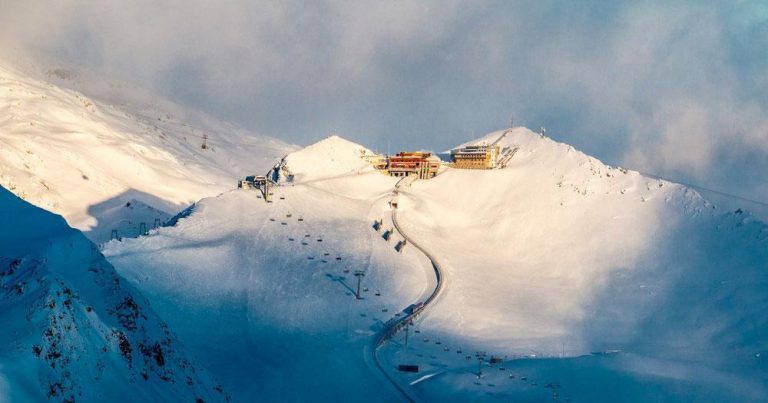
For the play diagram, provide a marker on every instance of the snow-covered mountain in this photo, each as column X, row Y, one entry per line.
column 73, row 330
column 559, row 254
column 264, row 292
column 554, row 257
column 117, row 157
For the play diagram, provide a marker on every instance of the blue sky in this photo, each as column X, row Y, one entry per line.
column 676, row 88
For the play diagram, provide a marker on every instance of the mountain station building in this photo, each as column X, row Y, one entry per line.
column 406, row 163
column 475, row 157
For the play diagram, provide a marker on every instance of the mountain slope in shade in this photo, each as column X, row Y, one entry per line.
column 79, row 155
column 73, row 329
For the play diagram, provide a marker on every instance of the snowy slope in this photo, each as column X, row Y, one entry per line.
column 559, row 254
column 555, row 257
column 330, row 158
column 81, row 156
column 73, row 330
column 264, row 292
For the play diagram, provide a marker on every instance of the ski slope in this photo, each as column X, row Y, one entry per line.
column 560, row 255
column 260, row 301
column 90, row 157
column 571, row 272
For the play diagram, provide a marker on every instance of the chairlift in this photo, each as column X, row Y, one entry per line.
column 301, row 219
column 338, row 257
column 326, row 254
column 290, row 239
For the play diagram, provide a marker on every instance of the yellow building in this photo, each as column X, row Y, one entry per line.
column 475, row 157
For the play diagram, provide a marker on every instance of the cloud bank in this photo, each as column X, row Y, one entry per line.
column 672, row 88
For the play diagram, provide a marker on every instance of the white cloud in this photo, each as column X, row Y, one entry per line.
column 669, row 88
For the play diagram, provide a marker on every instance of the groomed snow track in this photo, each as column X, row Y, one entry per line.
column 394, row 325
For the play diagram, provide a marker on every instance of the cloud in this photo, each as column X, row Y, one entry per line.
column 677, row 89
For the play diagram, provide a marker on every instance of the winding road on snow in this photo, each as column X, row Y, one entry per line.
column 394, row 325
